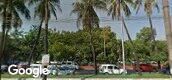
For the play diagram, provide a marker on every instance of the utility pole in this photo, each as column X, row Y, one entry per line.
column 168, row 30
column 123, row 49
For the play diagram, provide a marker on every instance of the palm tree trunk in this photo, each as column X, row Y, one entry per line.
column 153, row 45
column 46, row 34
column 134, row 54
column 3, row 29
column 93, row 51
column 2, row 45
column 6, row 25
column 151, row 26
column 104, row 46
column 36, row 43
column 152, row 34
column 168, row 30
column 5, row 40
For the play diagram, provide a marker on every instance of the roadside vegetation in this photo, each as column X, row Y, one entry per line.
column 73, row 46
column 90, row 44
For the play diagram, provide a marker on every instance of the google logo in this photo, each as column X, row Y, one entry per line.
column 36, row 72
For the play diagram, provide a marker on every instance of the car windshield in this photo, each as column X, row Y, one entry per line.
column 69, row 63
column 63, row 63
column 65, row 68
column 115, row 67
column 61, row 68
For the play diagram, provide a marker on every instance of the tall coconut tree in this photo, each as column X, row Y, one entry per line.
column 168, row 29
column 118, row 9
column 10, row 11
column 88, row 19
column 149, row 6
column 105, row 34
column 43, row 10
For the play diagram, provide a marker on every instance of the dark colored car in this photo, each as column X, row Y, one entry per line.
column 4, row 68
column 65, row 71
column 166, row 70
column 22, row 65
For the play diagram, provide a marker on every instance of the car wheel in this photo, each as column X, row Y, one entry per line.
column 106, row 73
column 125, row 72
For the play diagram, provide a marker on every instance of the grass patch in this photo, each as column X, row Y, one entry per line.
column 7, row 75
column 144, row 75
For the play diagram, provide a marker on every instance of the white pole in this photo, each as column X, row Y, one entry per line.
column 123, row 50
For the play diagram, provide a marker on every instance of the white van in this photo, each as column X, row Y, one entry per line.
column 111, row 69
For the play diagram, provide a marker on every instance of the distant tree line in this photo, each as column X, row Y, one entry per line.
column 74, row 46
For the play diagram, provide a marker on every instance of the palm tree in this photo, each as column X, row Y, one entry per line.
column 43, row 13
column 87, row 16
column 10, row 9
column 118, row 9
column 105, row 35
column 44, row 9
column 168, row 30
column 149, row 5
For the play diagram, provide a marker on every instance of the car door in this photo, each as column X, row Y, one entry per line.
column 109, row 70
column 116, row 70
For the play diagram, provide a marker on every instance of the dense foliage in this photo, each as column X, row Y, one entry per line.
column 75, row 46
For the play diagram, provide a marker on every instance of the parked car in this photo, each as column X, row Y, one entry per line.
column 146, row 68
column 36, row 66
column 111, row 69
column 10, row 62
column 166, row 70
column 23, row 65
column 53, row 69
column 69, row 64
column 65, row 71
column 4, row 68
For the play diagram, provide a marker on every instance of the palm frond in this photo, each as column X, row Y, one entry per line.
column 56, row 4
column 148, row 6
column 126, row 9
column 53, row 6
column 53, row 10
column 117, row 7
column 33, row 2
column 137, row 5
column 86, row 14
column 20, row 6
column 17, row 21
column 77, row 7
column 40, row 10
column 79, row 19
column 100, row 4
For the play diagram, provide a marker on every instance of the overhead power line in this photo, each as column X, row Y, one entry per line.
column 102, row 19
